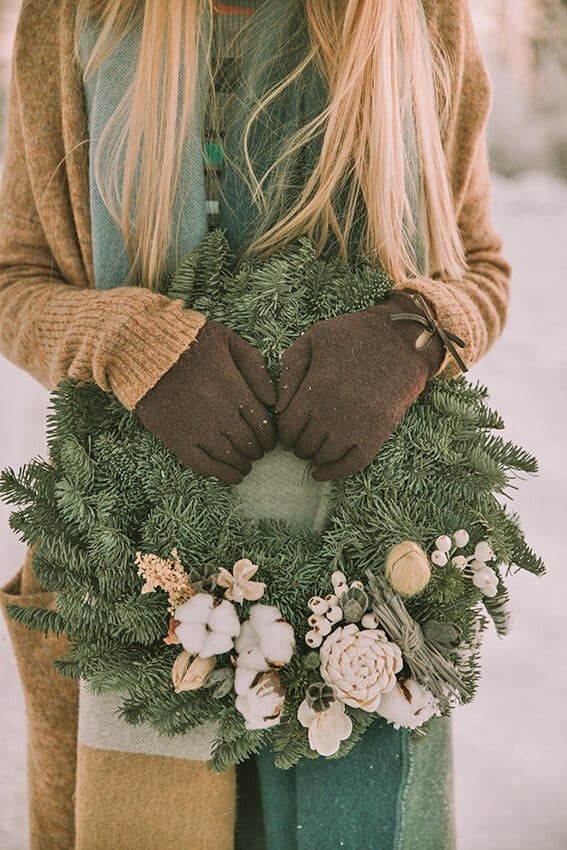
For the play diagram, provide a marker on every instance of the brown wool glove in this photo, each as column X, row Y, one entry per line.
column 347, row 382
column 211, row 408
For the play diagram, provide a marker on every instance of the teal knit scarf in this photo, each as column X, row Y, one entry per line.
column 277, row 39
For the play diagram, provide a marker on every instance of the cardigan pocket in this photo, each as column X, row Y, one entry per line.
column 51, row 706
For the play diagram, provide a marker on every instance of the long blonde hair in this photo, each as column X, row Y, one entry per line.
column 377, row 60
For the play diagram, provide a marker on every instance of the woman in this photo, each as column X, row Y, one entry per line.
column 361, row 124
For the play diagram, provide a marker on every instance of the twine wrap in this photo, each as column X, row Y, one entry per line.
column 426, row 663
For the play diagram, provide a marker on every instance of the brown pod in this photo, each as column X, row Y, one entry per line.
column 190, row 672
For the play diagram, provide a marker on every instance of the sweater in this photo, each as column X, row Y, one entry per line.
column 54, row 323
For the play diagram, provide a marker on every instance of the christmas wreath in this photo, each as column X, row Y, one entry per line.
column 195, row 612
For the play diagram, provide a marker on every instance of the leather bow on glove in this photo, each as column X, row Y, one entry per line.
column 347, row 382
column 211, row 408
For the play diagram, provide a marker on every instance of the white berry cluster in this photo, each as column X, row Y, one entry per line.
column 327, row 611
column 475, row 565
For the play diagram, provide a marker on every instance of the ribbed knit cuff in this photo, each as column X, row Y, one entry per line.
column 123, row 339
column 146, row 350
column 450, row 312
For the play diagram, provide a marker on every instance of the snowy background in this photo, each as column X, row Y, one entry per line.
column 511, row 743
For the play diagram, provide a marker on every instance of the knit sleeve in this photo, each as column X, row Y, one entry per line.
column 474, row 307
column 53, row 324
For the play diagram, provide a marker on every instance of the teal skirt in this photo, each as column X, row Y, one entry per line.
column 394, row 791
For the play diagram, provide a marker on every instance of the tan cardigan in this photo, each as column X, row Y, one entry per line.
column 53, row 323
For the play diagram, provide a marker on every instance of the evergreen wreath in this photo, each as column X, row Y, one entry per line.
column 158, row 574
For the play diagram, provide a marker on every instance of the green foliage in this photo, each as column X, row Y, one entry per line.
column 113, row 489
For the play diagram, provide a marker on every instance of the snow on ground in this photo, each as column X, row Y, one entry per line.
column 510, row 743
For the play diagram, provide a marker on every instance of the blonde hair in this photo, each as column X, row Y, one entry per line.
column 378, row 63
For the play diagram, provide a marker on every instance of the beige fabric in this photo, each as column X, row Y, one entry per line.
column 130, row 801
column 51, row 705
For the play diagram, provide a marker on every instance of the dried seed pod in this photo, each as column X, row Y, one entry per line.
column 370, row 621
column 439, row 558
column 221, row 682
column 319, row 696
column 313, row 639
column 332, row 599
column 318, row 605
column 444, row 543
column 357, row 584
column 354, row 603
column 190, row 672
column 407, row 568
column 320, row 625
column 334, row 614
column 461, row 538
column 338, row 578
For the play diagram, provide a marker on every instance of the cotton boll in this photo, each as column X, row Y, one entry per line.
column 277, row 642
column 247, row 639
column 252, row 659
column 216, row 643
column 261, row 704
column 192, row 636
column 408, row 705
column 223, row 618
column 243, row 680
column 263, row 615
column 197, row 609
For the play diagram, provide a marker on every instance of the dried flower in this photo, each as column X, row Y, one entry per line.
column 166, row 573
column 361, row 665
column 239, row 587
column 207, row 626
column 326, row 728
column 408, row 704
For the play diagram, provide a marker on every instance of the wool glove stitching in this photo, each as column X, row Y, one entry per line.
column 347, row 382
column 211, row 408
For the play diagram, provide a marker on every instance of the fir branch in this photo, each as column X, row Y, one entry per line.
column 43, row 619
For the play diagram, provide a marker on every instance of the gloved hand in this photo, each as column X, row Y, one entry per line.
column 211, row 408
column 347, row 382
